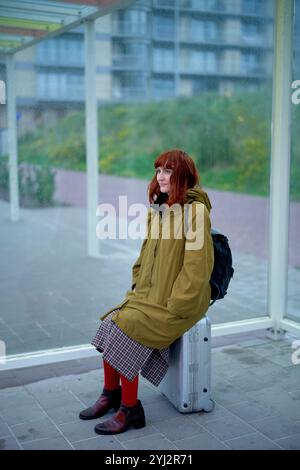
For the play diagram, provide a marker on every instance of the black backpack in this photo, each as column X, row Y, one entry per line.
column 222, row 270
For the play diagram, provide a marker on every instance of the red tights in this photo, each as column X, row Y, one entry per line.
column 112, row 381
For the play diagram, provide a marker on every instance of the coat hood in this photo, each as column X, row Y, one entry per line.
column 198, row 194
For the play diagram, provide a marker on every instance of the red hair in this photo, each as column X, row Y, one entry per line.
column 184, row 176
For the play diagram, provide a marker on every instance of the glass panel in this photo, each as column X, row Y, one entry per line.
column 293, row 307
column 202, row 83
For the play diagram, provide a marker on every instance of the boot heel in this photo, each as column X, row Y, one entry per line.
column 139, row 423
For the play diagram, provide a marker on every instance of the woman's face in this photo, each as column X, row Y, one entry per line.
column 163, row 176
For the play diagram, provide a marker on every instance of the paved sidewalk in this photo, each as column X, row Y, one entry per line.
column 254, row 383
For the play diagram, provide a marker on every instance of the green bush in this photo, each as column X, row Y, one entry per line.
column 36, row 184
column 227, row 136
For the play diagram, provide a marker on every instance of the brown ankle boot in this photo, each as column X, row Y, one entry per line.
column 107, row 400
column 124, row 418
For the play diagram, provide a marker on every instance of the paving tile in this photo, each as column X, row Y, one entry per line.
column 52, row 443
column 247, row 381
column 295, row 394
column 65, row 413
column 87, row 398
column 283, row 359
column 35, row 430
column 228, row 428
column 54, row 399
column 154, row 441
column 203, row 441
column 255, row 441
column 132, row 433
column 277, row 427
column 161, row 410
column 80, row 429
column 266, row 349
column 178, row 428
column 246, row 357
column 9, row 443
column 291, row 379
column 15, row 396
column 267, row 369
column 250, row 411
column 46, row 386
column 99, row 443
column 219, row 412
column 290, row 442
column 21, row 414
column 279, row 400
column 226, row 393
column 4, row 429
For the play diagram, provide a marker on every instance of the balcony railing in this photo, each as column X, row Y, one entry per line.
column 164, row 3
column 129, row 93
column 69, row 95
column 129, row 28
column 223, row 6
column 129, row 61
column 205, row 6
column 188, row 35
column 195, row 67
column 63, row 60
column 223, row 68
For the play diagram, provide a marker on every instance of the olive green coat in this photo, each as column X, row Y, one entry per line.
column 172, row 289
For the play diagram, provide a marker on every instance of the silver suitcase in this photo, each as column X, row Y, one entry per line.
column 187, row 383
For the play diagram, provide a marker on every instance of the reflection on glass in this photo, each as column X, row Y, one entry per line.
column 168, row 75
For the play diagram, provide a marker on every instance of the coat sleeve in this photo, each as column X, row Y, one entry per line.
column 137, row 264
column 191, row 292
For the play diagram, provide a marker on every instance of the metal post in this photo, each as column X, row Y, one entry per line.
column 176, row 48
column 12, row 139
column 91, row 132
column 280, row 165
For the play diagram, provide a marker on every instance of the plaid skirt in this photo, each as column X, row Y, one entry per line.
column 127, row 356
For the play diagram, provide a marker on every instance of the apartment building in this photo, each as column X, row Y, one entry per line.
column 157, row 49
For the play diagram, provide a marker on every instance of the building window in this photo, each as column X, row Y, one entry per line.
column 163, row 59
column 253, row 7
column 163, row 27
column 129, row 85
column 131, row 22
column 202, row 5
column 130, row 54
column 60, row 86
column 201, row 85
column 61, row 51
column 164, row 3
column 198, row 61
column 250, row 32
column 203, row 30
column 250, row 63
column 163, row 87
column 197, row 30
